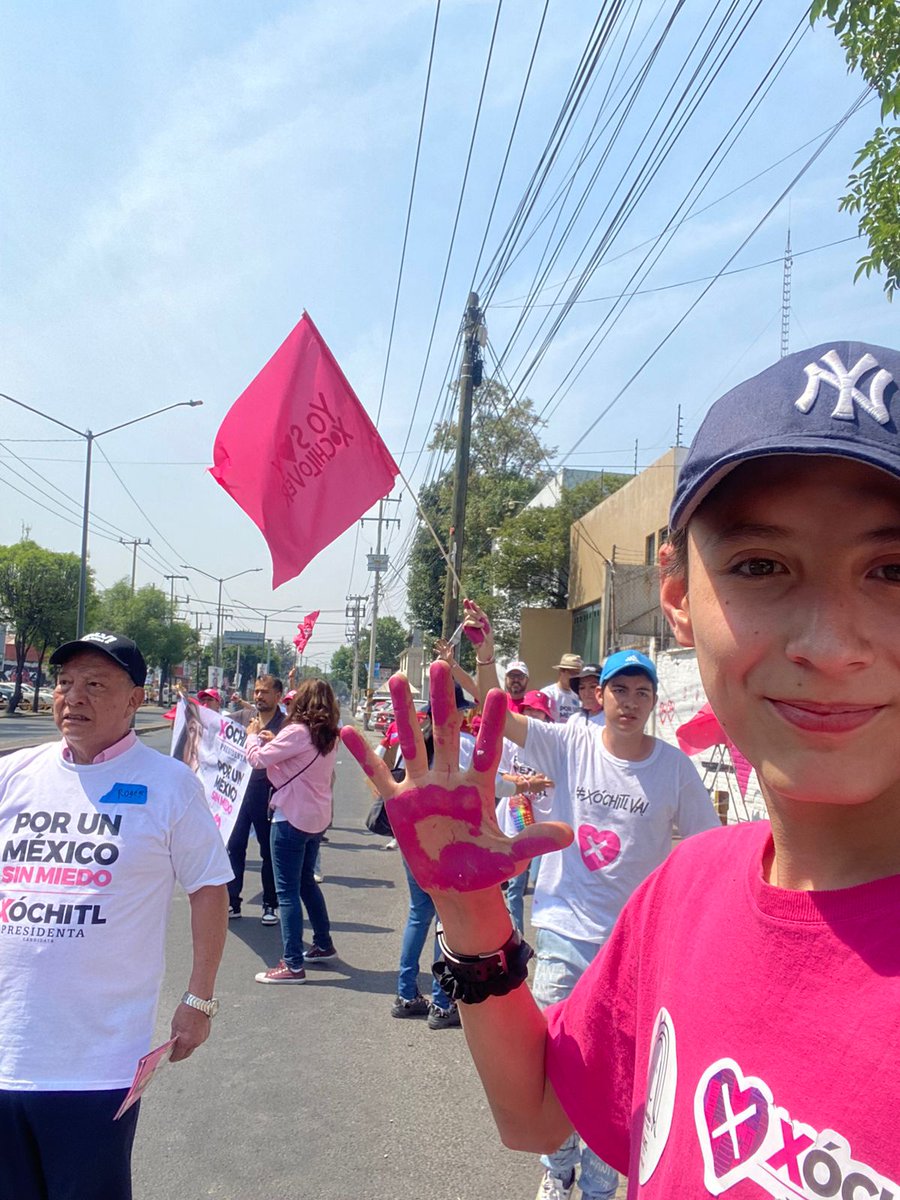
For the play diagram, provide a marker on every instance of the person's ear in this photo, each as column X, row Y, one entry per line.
column 675, row 601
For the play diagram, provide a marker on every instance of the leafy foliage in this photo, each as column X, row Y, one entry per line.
column 531, row 561
column 38, row 595
column 870, row 35
column 507, row 467
column 145, row 617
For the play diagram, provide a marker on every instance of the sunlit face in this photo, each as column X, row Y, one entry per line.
column 266, row 697
column 792, row 600
column 565, row 679
column 209, row 702
column 536, row 714
column 93, row 703
column 589, row 693
column 627, row 702
column 516, row 684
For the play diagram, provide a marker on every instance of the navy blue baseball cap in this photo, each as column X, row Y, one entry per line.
column 838, row 399
column 630, row 661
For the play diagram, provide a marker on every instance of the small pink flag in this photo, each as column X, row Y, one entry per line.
column 304, row 630
column 299, row 454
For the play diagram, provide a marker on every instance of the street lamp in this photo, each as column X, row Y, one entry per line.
column 90, row 438
column 220, row 580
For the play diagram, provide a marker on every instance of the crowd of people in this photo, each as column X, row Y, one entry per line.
column 709, row 1020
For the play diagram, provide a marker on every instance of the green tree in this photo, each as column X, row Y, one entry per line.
column 870, row 35
column 146, row 617
column 508, row 465
column 341, row 669
column 531, row 558
column 38, row 595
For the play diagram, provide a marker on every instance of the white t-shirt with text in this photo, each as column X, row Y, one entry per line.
column 89, row 858
column 623, row 814
column 562, row 704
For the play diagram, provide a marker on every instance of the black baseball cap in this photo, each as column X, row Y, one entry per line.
column 120, row 649
column 836, row 400
column 587, row 669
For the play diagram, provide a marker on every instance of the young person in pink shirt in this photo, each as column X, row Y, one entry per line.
column 738, row 1033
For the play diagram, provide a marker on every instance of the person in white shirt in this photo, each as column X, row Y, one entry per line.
column 589, row 694
column 563, row 697
column 94, row 834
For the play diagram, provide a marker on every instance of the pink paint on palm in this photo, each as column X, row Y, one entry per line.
column 356, row 744
column 399, row 689
column 470, row 859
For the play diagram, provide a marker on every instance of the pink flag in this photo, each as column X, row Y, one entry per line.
column 304, row 630
column 702, row 731
column 298, row 453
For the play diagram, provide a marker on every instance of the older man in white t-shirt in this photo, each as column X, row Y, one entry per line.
column 94, row 833
column 623, row 792
column 563, row 694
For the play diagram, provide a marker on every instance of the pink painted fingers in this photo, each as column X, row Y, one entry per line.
column 443, row 817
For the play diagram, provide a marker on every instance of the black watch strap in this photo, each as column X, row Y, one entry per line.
column 471, row 978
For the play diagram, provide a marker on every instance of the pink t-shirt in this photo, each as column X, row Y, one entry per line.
column 304, row 799
column 738, row 1039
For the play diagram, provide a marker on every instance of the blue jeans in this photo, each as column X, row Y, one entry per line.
column 561, row 961
column 418, row 924
column 293, row 863
column 514, row 895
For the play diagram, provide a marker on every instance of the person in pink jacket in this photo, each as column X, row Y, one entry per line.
column 299, row 761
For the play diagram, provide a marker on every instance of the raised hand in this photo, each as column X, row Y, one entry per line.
column 476, row 624
column 444, row 818
column 445, row 651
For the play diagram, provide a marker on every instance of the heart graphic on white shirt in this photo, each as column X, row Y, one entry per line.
column 599, row 847
column 731, row 1113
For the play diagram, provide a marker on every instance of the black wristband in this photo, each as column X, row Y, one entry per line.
column 471, row 978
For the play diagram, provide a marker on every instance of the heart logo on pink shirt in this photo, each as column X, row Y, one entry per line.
column 732, row 1118
column 599, row 847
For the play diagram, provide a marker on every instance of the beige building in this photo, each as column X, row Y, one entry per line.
column 613, row 582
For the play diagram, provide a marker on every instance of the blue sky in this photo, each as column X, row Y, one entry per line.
column 180, row 180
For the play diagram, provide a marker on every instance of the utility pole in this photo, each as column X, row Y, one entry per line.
column 378, row 563
column 356, row 606
column 469, row 378
column 134, row 543
column 164, row 680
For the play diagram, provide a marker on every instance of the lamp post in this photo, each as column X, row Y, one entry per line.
column 220, row 580
column 90, row 438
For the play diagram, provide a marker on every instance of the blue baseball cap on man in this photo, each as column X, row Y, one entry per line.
column 835, row 399
column 629, row 662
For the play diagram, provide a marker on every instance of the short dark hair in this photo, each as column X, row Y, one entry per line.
column 271, row 681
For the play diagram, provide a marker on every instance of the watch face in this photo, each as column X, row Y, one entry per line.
column 213, row 1007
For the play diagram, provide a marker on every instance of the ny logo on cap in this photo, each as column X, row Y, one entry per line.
column 844, row 382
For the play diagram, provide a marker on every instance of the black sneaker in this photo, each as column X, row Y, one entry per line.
column 270, row 915
column 443, row 1018
column 233, row 913
column 317, row 954
column 417, row 1007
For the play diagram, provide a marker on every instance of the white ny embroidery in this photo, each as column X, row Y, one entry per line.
column 844, row 382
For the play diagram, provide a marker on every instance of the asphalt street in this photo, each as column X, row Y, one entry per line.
column 315, row 1090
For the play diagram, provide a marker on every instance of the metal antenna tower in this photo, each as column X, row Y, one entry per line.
column 786, row 297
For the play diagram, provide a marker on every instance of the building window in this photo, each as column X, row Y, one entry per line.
column 650, row 549
column 662, row 537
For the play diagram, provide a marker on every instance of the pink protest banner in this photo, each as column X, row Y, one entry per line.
column 299, row 454
column 304, row 630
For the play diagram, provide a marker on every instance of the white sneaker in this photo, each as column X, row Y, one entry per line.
column 554, row 1188
column 391, row 845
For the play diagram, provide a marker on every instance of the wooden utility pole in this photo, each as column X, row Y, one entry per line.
column 134, row 543
column 377, row 564
column 469, row 378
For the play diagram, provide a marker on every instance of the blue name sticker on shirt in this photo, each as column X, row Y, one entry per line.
column 125, row 793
